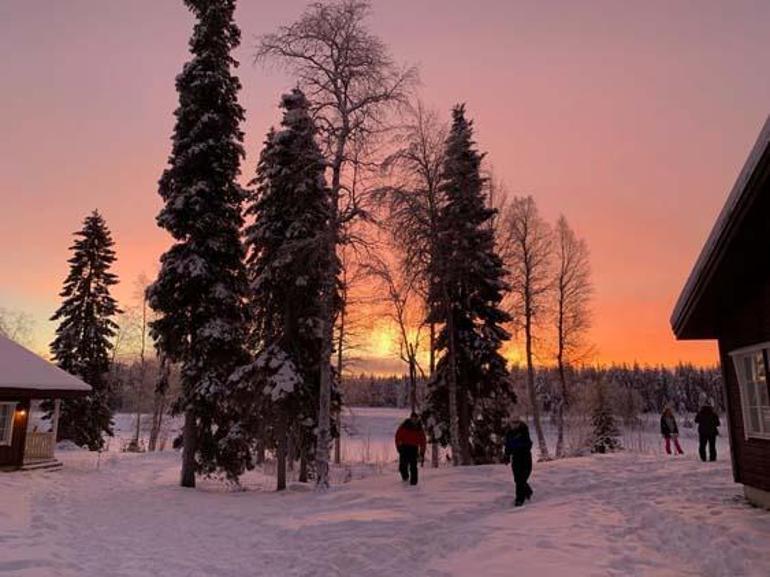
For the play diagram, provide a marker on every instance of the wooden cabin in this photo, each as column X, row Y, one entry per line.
column 727, row 298
column 24, row 379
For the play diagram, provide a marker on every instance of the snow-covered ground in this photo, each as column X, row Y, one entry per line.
column 628, row 514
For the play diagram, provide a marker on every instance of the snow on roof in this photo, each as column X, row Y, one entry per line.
column 23, row 369
column 707, row 254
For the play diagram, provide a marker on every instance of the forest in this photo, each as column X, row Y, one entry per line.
column 364, row 203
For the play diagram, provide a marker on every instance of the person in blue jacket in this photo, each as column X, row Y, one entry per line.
column 518, row 448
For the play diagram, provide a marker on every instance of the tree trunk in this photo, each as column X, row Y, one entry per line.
column 157, row 411
column 291, row 450
column 142, row 372
column 189, row 440
column 454, row 418
column 327, row 319
column 432, row 368
column 561, row 407
column 337, row 439
column 412, row 382
column 432, row 352
column 340, row 345
column 543, row 446
column 138, row 431
column 159, row 404
column 260, row 453
column 280, row 453
column 303, row 465
column 325, row 394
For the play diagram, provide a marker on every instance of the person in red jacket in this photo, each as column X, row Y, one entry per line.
column 410, row 443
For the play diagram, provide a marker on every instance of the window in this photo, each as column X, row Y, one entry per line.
column 751, row 366
column 7, row 410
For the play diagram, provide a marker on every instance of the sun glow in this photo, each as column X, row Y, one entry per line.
column 382, row 341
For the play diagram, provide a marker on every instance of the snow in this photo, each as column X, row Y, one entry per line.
column 625, row 514
column 23, row 369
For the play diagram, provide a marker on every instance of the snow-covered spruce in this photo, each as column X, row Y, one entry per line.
column 84, row 336
column 470, row 396
column 200, row 291
column 286, row 261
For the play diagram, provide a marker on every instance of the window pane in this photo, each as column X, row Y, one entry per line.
column 751, row 396
column 752, row 378
column 5, row 423
column 748, row 374
column 754, row 421
column 759, row 366
column 762, row 394
column 766, row 419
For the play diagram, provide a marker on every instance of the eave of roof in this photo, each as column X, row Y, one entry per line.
column 712, row 251
column 21, row 369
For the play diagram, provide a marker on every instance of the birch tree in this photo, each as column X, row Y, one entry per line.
column 352, row 84
column 573, row 289
column 527, row 244
column 406, row 313
column 412, row 199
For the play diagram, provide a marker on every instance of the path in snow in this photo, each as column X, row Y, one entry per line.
column 617, row 515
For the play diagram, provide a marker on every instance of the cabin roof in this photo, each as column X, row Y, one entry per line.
column 689, row 320
column 22, row 370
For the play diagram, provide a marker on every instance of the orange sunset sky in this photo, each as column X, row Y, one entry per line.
column 631, row 118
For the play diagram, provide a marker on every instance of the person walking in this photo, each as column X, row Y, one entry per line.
column 518, row 448
column 410, row 444
column 708, row 430
column 670, row 431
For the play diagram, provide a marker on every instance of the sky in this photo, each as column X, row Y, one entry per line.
column 632, row 119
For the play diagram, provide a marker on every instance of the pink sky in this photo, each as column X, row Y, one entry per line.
column 632, row 118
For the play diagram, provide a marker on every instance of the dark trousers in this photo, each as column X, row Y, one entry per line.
column 407, row 463
column 521, row 464
column 711, row 441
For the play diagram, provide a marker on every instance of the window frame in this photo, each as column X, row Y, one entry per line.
column 738, row 357
column 7, row 441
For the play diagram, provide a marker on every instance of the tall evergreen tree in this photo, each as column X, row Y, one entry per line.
column 83, row 338
column 287, row 260
column 200, row 291
column 467, row 286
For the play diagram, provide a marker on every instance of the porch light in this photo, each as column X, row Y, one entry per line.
column 21, row 412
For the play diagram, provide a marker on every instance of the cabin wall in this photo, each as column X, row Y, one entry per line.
column 745, row 322
column 13, row 455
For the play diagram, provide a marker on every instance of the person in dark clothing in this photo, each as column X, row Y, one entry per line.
column 708, row 429
column 410, row 444
column 518, row 447
column 670, row 430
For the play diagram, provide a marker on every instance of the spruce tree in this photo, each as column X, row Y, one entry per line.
column 286, row 262
column 467, row 287
column 83, row 338
column 200, row 290
column 605, row 431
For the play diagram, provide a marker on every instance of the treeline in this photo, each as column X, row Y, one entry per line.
column 634, row 389
column 380, row 391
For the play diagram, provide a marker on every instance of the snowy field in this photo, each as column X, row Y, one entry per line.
column 629, row 514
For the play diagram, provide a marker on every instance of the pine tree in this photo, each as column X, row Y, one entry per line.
column 467, row 286
column 83, row 338
column 200, row 291
column 286, row 263
column 605, row 431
